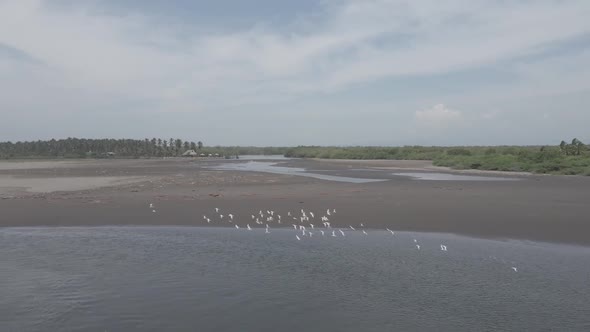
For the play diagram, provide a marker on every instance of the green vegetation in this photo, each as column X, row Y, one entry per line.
column 362, row 152
column 119, row 148
column 568, row 159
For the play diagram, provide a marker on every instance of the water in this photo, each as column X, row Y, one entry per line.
column 452, row 177
column 270, row 167
column 204, row 279
column 263, row 157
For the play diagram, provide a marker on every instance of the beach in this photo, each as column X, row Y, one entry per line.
column 113, row 192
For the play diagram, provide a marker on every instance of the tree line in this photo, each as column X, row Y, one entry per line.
column 97, row 148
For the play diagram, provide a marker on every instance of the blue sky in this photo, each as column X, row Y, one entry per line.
column 322, row 72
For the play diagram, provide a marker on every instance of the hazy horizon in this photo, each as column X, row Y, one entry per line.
column 282, row 73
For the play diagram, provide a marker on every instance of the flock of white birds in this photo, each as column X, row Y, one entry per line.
column 304, row 223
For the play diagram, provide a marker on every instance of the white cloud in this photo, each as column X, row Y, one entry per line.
column 438, row 116
column 353, row 43
column 117, row 61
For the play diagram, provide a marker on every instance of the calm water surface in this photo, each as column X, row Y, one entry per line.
column 220, row 279
column 272, row 167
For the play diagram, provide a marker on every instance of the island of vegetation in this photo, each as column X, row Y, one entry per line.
column 566, row 158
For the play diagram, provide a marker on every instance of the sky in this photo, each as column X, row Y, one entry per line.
column 288, row 73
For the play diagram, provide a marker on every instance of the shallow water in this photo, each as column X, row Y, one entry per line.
column 431, row 176
column 270, row 167
column 190, row 278
column 264, row 157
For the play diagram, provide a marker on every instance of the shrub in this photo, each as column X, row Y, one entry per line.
column 458, row 152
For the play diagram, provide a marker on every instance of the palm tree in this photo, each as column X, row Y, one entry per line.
column 200, row 145
column 578, row 145
column 563, row 147
column 178, row 145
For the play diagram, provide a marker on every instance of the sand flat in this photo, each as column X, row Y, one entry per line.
column 118, row 192
column 10, row 183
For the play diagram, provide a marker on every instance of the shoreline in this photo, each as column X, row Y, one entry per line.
column 523, row 240
column 423, row 166
column 548, row 209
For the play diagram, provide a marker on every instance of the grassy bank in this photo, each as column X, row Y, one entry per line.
column 536, row 159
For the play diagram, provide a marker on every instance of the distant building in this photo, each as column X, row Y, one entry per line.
column 189, row 153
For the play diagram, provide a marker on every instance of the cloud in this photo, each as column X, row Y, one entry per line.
column 438, row 116
column 123, row 62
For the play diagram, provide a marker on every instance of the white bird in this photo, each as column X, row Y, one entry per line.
column 341, row 232
column 390, row 231
column 364, row 232
column 204, row 217
column 249, row 228
column 322, row 232
column 352, row 228
column 362, row 225
column 334, row 233
column 253, row 217
column 289, row 214
column 237, row 226
column 443, row 247
column 221, row 216
column 294, row 226
column 208, row 220
column 415, row 241
column 328, row 212
column 310, row 234
column 302, row 227
column 154, row 211
column 231, row 216
column 418, row 246
column 515, row 269
column 217, row 210
column 333, row 210
column 298, row 238
column 151, row 205
column 311, row 225
column 311, row 214
column 267, row 232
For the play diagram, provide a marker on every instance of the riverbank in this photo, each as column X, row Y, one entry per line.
column 540, row 208
column 534, row 159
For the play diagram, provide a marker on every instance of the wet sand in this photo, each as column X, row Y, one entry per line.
column 118, row 192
